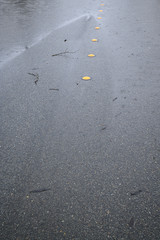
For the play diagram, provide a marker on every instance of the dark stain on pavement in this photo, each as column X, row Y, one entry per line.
column 115, row 99
column 131, row 222
column 136, row 192
column 118, row 114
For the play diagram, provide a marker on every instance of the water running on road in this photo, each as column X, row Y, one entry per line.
column 23, row 23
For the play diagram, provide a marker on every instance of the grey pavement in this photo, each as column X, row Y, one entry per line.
column 80, row 159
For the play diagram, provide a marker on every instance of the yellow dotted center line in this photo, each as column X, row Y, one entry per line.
column 86, row 78
column 91, row 55
column 94, row 40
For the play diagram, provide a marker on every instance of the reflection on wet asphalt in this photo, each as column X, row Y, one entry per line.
column 79, row 133
column 24, row 23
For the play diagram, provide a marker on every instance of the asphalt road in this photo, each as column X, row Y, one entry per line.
column 80, row 158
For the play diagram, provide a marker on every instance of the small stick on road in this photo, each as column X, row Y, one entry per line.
column 35, row 75
column 55, row 89
column 40, row 190
column 115, row 99
column 62, row 53
column 136, row 192
column 131, row 222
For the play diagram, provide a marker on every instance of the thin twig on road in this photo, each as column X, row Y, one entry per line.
column 62, row 53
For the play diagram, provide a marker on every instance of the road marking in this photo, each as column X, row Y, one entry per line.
column 97, row 28
column 99, row 18
column 94, row 40
column 102, row 4
column 86, row 78
column 91, row 55
column 100, row 10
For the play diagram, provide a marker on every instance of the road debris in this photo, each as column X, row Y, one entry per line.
column 136, row 193
column 131, row 222
column 103, row 128
column 62, row 53
column 36, row 75
column 55, row 89
column 115, row 99
column 40, row 190
column 118, row 114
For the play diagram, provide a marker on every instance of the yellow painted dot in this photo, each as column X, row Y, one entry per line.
column 86, row 78
column 100, row 10
column 94, row 40
column 91, row 55
column 99, row 18
column 102, row 4
column 97, row 28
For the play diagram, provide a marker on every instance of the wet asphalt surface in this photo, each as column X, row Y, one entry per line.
column 80, row 159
